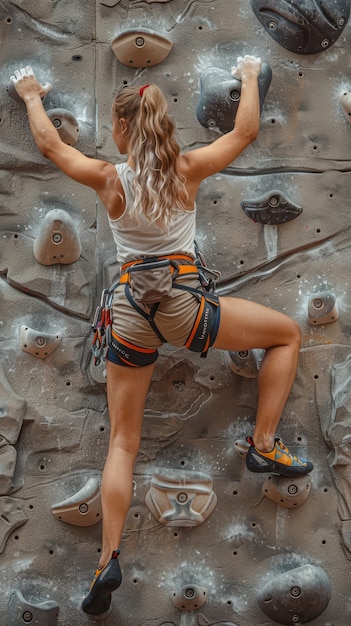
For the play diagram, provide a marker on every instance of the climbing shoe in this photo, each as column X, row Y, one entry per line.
column 278, row 461
column 106, row 579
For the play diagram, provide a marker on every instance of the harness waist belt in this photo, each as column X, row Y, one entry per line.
column 182, row 269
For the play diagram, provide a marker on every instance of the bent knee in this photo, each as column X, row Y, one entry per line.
column 295, row 335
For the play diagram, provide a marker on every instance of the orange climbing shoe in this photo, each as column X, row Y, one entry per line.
column 278, row 461
column 106, row 579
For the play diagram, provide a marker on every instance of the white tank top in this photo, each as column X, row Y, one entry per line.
column 136, row 241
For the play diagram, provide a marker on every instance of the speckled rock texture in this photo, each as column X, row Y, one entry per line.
column 205, row 542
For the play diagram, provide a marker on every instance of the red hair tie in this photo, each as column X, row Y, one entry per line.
column 142, row 89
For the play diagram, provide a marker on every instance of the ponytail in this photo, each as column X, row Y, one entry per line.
column 159, row 186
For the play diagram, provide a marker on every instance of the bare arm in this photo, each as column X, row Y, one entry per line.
column 91, row 172
column 203, row 162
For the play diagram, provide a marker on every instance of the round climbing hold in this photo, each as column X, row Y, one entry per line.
column 65, row 124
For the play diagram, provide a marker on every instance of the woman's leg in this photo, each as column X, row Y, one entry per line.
column 127, row 388
column 245, row 325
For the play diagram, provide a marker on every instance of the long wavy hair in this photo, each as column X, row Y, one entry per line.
column 159, row 186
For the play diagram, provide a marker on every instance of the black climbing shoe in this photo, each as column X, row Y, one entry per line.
column 106, row 579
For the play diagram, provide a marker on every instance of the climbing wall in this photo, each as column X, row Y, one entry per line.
column 206, row 542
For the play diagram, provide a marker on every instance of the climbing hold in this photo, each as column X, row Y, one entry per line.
column 11, row 90
column 83, row 508
column 190, row 597
column 180, row 497
column 303, row 26
column 65, row 124
column 345, row 101
column 11, row 516
column 220, row 96
column 297, row 596
column 37, row 343
column 141, row 48
column 289, row 493
column 322, row 308
column 8, row 458
column 21, row 611
column 12, row 411
column 246, row 362
column 58, row 240
column 271, row 208
column 241, row 447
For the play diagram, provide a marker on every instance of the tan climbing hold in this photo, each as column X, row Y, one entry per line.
column 141, row 48
column 289, row 493
column 65, row 124
column 83, row 508
column 37, row 343
column 58, row 240
column 345, row 101
column 181, row 498
column 322, row 308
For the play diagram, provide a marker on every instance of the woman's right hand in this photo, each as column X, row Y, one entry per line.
column 246, row 67
column 27, row 85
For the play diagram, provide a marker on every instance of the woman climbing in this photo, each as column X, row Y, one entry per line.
column 150, row 203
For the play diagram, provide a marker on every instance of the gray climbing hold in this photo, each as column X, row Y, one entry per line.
column 220, row 97
column 189, row 597
column 322, row 308
column 289, row 493
column 58, row 240
column 83, row 508
column 271, row 208
column 21, row 611
column 297, row 596
column 38, row 343
column 12, row 411
column 11, row 90
column 141, row 48
column 303, row 26
column 246, row 363
column 11, row 517
column 8, row 459
column 65, row 124
column 180, row 497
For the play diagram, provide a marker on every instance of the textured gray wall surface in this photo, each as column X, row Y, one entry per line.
column 241, row 554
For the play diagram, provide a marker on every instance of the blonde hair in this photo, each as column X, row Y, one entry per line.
column 159, row 186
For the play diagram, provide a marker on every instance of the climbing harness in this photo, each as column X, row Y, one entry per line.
column 150, row 281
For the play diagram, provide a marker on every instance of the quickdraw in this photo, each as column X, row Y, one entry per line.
column 102, row 324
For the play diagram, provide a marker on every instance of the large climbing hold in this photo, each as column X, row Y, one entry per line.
column 180, row 498
column 303, row 26
column 58, row 240
column 271, row 208
column 82, row 508
column 66, row 125
column 22, row 611
column 141, row 48
column 297, row 596
column 220, row 97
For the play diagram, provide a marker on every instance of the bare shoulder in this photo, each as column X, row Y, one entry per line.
column 111, row 191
